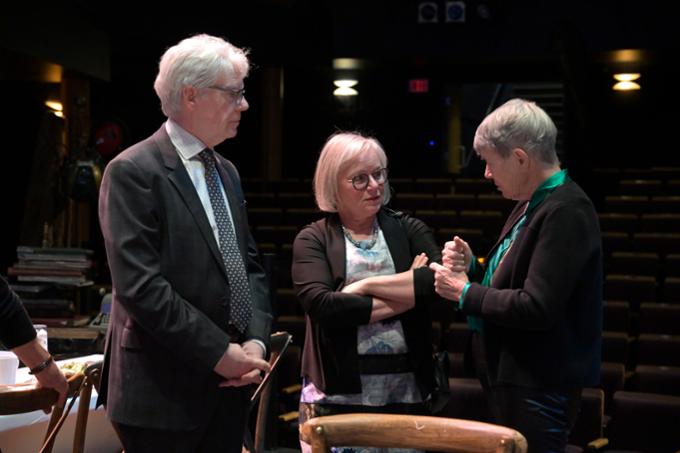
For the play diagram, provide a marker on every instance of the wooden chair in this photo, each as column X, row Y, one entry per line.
column 92, row 378
column 263, row 400
column 410, row 431
column 17, row 399
column 588, row 431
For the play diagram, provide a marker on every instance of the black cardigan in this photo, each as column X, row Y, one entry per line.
column 543, row 312
column 15, row 325
column 330, row 358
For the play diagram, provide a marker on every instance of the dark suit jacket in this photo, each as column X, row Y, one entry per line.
column 330, row 357
column 170, row 288
column 543, row 312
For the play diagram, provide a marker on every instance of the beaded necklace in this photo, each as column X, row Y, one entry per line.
column 364, row 244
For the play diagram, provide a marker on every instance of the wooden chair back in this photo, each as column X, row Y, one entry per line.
column 410, row 431
column 17, row 399
column 263, row 419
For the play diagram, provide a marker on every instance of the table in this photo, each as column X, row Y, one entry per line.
column 25, row 432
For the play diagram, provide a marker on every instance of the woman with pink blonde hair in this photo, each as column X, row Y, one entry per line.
column 361, row 276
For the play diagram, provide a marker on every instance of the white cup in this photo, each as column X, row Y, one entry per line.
column 8, row 367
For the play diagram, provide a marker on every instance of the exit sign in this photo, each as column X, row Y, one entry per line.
column 419, row 86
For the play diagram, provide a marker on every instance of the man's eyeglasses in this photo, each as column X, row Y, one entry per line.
column 236, row 95
column 360, row 182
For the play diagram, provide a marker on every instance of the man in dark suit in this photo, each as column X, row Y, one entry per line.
column 191, row 317
column 535, row 306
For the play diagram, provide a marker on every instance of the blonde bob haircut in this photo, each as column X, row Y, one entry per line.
column 341, row 149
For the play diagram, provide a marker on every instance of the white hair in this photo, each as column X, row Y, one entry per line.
column 198, row 61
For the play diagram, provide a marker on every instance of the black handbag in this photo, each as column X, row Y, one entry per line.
column 441, row 393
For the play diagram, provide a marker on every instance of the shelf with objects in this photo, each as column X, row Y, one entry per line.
column 57, row 287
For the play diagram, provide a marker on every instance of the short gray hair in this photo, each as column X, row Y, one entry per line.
column 519, row 124
column 340, row 149
column 197, row 61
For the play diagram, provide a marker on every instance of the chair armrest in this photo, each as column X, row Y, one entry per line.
column 597, row 444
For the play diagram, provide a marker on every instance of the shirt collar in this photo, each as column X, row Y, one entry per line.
column 555, row 180
column 188, row 146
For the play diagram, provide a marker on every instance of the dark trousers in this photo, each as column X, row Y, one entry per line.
column 544, row 417
column 223, row 432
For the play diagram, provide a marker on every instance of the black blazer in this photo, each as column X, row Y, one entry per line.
column 543, row 312
column 170, row 288
column 330, row 358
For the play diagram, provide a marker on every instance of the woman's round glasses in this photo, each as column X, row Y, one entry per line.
column 360, row 182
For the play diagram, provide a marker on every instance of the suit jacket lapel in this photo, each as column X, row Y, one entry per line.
column 179, row 177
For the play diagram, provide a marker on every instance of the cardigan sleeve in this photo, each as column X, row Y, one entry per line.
column 15, row 325
column 317, row 289
column 422, row 240
column 562, row 250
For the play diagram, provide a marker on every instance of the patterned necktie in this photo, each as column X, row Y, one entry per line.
column 241, row 310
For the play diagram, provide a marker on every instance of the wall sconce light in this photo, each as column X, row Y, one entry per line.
column 345, row 87
column 56, row 107
column 626, row 81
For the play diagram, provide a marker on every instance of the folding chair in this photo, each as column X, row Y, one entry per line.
column 628, row 204
column 633, row 288
column 644, row 422
column 661, row 379
column 671, row 290
column 495, row 202
column 658, row 349
column 455, row 201
column 588, row 430
column 618, row 221
column 613, row 377
column 490, row 222
column 641, row 187
column 616, row 347
column 672, row 265
column 413, row 201
column 631, row 263
column 468, row 400
column 616, row 316
column 473, row 185
column 410, row 431
column 433, row 185
column 660, row 318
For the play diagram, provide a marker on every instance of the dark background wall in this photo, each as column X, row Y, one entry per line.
column 116, row 49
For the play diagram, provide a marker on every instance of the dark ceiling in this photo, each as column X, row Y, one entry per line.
column 86, row 37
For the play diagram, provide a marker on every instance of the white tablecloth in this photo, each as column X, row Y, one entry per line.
column 21, row 433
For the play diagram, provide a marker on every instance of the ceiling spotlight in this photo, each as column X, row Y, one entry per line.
column 56, row 107
column 626, row 81
column 345, row 87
